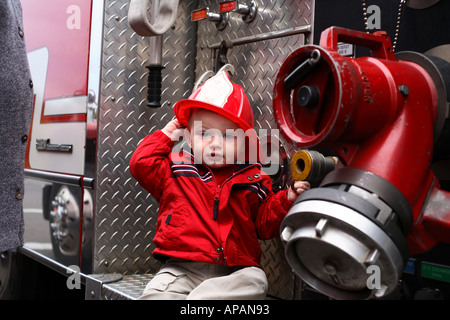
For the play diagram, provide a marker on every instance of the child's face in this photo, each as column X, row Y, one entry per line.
column 214, row 139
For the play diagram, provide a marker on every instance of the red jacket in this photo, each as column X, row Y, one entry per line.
column 199, row 220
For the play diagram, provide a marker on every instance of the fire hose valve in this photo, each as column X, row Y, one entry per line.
column 311, row 166
column 381, row 116
column 248, row 11
column 220, row 19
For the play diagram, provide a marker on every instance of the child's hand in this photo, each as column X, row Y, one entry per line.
column 171, row 127
column 299, row 188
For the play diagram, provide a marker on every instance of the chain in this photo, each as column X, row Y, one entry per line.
column 397, row 27
column 365, row 15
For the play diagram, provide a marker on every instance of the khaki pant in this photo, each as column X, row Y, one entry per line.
column 182, row 279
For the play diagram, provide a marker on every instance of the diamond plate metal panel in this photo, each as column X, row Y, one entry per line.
column 256, row 66
column 130, row 287
column 125, row 213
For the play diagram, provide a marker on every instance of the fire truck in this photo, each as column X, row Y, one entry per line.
column 363, row 82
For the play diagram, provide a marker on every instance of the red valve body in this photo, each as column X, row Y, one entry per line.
column 376, row 114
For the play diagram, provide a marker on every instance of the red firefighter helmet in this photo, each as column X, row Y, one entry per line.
column 220, row 95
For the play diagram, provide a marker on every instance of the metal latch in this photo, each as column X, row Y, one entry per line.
column 45, row 145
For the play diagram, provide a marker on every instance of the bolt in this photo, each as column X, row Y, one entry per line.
column 308, row 97
column 329, row 268
column 404, row 90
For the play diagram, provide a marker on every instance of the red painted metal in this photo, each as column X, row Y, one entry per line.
column 377, row 114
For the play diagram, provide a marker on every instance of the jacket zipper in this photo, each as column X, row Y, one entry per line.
column 216, row 208
column 216, row 199
column 216, row 203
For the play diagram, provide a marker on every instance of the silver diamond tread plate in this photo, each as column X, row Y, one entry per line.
column 129, row 288
column 125, row 213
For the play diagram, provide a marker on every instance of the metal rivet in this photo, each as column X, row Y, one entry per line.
column 24, row 138
column 256, row 175
column 250, row 178
column 19, row 196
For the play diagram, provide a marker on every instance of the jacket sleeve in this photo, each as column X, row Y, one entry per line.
column 271, row 212
column 150, row 164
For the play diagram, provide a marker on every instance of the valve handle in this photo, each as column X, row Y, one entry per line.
column 379, row 42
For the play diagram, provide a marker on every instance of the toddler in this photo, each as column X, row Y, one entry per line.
column 214, row 204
